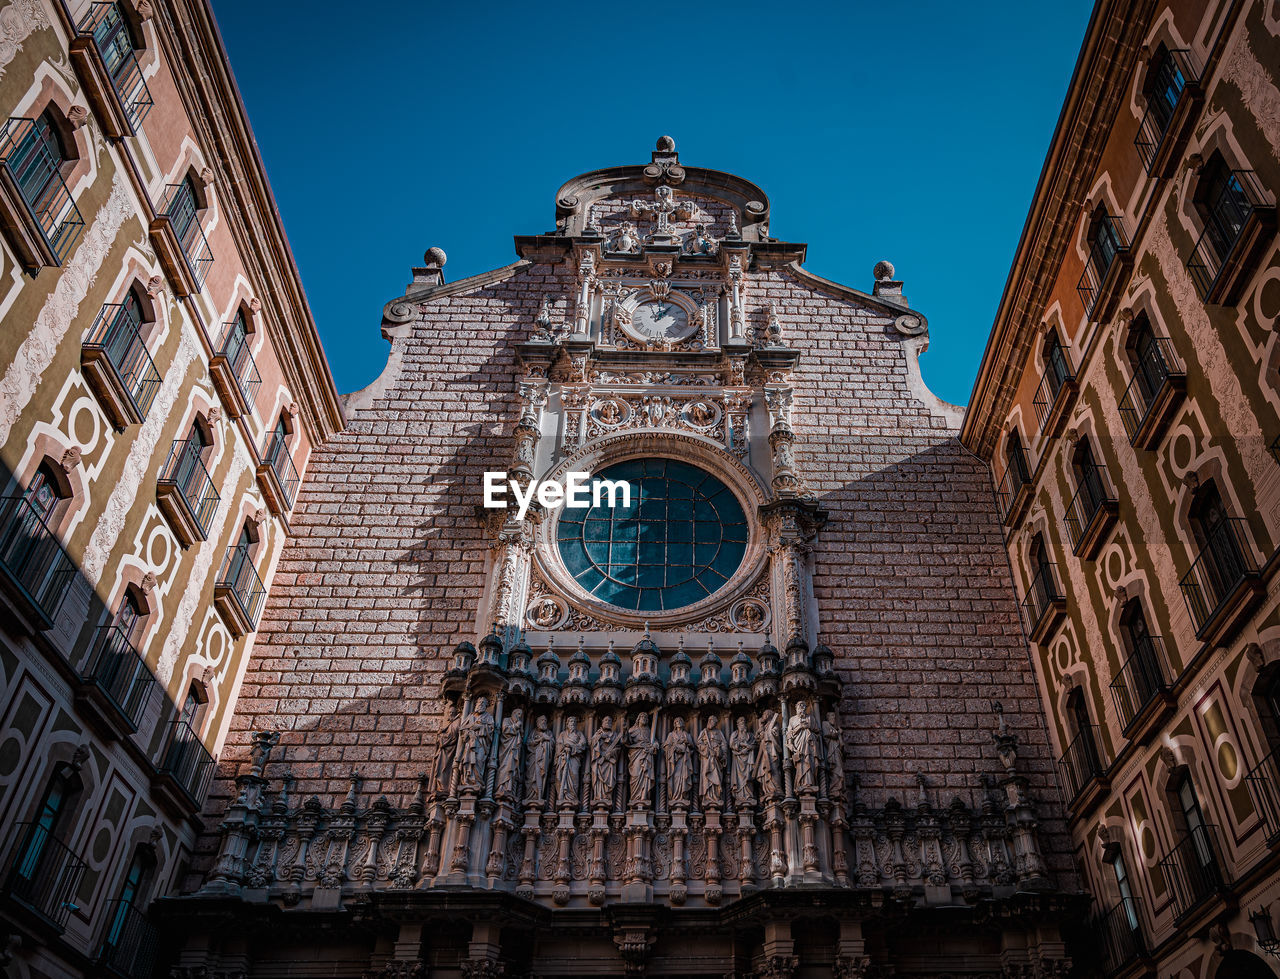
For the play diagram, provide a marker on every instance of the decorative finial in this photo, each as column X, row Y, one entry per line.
column 646, row 628
column 666, row 144
column 883, row 271
column 733, row 226
column 435, row 257
column 582, row 641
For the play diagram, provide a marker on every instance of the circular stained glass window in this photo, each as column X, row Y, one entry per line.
column 680, row 540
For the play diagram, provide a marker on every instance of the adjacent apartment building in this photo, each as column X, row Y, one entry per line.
column 162, row 388
column 1129, row 404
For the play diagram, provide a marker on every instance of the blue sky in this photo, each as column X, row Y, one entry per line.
column 908, row 131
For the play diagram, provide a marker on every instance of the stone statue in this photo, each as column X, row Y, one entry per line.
column 538, row 748
column 507, row 786
column 742, row 749
column 446, row 751
column 677, row 752
column 474, row 738
column 570, row 747
column 769, row 758
column 712, row 755
column 641, row 750
column 606, row 746
column 833, row 742
column 803, row 747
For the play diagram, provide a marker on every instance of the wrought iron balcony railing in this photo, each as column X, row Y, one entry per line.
column 1158, row 366
column 277, row 456
column 119, row 671
column 1080, row 763
column 1166, row 92
column 130, row 943
column 37, row 174
column 1225, row 220
column 186, row 763
column 115, row 336
column 32, row 558
column 1119, row 931
column 1058, row 379
column 240, row 579
column 1093, row 499
column 1225, row 562
column 179, row 207
column 1193, row 869
column 1144, row 676
column 104, row 22
column 1264, row 786
column 42, row 873
column 1107, row 248
column 185, row 473
column 233, row 347
column 1043, row 597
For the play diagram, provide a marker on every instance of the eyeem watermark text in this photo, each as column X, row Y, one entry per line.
column 573, row 492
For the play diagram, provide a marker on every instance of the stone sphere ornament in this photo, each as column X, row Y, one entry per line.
column 665, row 144
column 883, row 271
column 435, row 256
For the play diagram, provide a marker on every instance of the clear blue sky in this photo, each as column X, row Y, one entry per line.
column 908, row 131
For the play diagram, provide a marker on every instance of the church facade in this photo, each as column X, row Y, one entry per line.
column 753, row 723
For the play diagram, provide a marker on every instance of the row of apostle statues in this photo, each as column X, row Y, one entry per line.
column 653, row 763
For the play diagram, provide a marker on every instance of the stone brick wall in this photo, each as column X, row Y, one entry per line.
column 385, row 569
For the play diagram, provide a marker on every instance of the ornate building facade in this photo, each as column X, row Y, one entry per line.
column 752, row 723
column 1129, row 403
column 162, row 387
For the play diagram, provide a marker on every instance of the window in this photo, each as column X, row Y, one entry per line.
column 281, row 432
column 45, row 494
column 115, row 39
column 1126, row 890
column 132, row 896
column 1088, row 476
column 1104, row 243
column 1222, row 204
column 1015, row 461
column 1163, row 88
column 184, row 213
column 1194, row 824
column 1215, row 535
column 1056, row 369
column 681, row 540
column 129, row 615
column 1080, row 721
column 191, row 461
column 1150, row 370
column 42, row 834
column 37, row 162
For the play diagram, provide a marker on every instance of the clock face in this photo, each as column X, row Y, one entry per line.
column 661, row 319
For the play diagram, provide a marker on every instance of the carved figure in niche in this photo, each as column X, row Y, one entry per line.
column 538, row 748
column 833, row 741
column 447, row 750
column 474, row 738
column 545, row 613
column 701, row 414
column 606, row 746
column 509, row 744
column 751, row 617
column 700, row 242
column 677, row 752
column 570, row 747
column 641, row 752
column 803, row 746
column 742, row 749
column 712, row 755
column 769, row 757
column 628, row 238
column 609, row 412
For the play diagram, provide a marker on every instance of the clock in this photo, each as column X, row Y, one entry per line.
column 661, row 319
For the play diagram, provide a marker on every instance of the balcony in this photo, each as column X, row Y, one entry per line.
column 1055, row 395
column 109, row 70
column 1045, row 606
column 117, row 366
column 180, row 242
column 1237, row 229
column 1092, row 512
column 1119, row 935
column 1264, row 787
column 1141, row 689
column 1083, row 774
column 277, row 475
column 116, row 686
column 1153, row 397
column 37, row 572
column 185, row 492
column 130, row 945
column 1223, row 585
column 1014, row 490
column 234, row 372
column 1105, row 269
column 1194, row 872
column 37, row 213
column 1174, row 95
column 41, row 875
column 238, row 592
column 186, row 767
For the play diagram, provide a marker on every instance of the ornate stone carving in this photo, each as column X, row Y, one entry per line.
column 571, row 745
column 712, row 756
column 677, row 755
